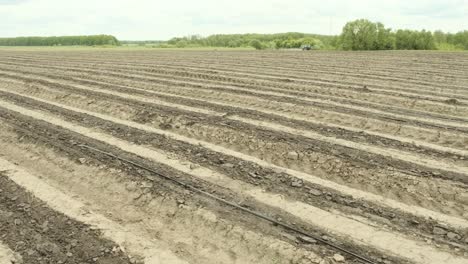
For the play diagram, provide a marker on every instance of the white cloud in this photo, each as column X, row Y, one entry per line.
column 162, row 19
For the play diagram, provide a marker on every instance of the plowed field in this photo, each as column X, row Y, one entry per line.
column 143, row 156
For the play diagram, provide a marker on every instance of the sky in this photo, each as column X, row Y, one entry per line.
column 162, row 20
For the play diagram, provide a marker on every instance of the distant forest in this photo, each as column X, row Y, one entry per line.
column 258, row 41
column 61, row 41
column 360, row 34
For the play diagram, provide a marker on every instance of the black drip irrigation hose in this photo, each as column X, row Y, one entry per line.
column 241, row 208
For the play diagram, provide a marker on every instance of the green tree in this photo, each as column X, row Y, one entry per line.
column 360, row 34
column 414, row 40
column 182, row 44
column 384, row 38
column 461, row 39
column 235, row 43
column 440, row 37
column 255, row 43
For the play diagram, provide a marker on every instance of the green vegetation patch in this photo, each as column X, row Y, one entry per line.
column 93, row 40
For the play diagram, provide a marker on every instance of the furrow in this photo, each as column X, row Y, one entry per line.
column 422, row 212
column 360, row 232
column 375, row 132
column 376, row 75
column 356, row 92
column 354, row 104
column 197, row 230
column 137, row 243
column 270, row 146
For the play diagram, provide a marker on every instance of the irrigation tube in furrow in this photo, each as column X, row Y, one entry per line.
column 236, row 206
column 361, row 232
column 358, row 194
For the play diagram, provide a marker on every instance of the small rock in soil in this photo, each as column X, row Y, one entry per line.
column 451, row 101
column 439, row 231
column 147, row 185
column 365, row 89
column 315, row 192
column 74, row 243
column 289, row 237
column 228, row 165
column 297, row 183
column 253, row 175
column 18, row 259
column 463, row 197
column 307, row 240
column 45, row 248
column 82, row 160
column 338, row 258
column 452, row 235
column 293, row 155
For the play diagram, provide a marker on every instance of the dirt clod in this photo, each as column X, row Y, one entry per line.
column 297, row 183
column 439, row 231
column 228, row 165
column 44, row 235
column 306, row 240
column 453, row 236
column 452, row 101
column 338, row 258
column 293, row 155
column 315, row 192
column 365, row 89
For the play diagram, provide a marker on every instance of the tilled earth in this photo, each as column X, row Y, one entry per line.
column 365, row 154
column 41, row 235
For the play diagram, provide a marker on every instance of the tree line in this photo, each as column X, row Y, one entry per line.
column 60, row 41
column 363, row 34
column 258, row 41
column 360, row 34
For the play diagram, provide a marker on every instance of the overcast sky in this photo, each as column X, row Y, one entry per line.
column 163, row 19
